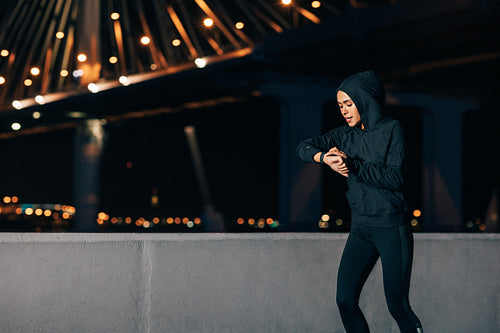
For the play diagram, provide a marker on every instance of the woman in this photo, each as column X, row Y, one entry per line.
column 369, row 152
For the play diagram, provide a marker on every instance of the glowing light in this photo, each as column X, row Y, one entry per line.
column 251, row 221
column 124, row 80
column 414, row 222
column 28, row 82
column 16, row 126
column 197, row 220
column 482, row 227
column 113, row 60
column 153, row 67
column 15, row 199
column 36, row 115
column 315, row 4
column 239, row 25
column 145, row 40
column 17, row 104
column 81, row 57
column 339, row 222
column 200, row 62
column 39, row 99
column 47, row 212
column 417, row 213
column 208, row 22
column 77, row 73
column 2, row 80
column 93, row 87
column 28, row 211
column 38, row 212
column 240, row 220
column 156, row 220
column 325, row 217
column 64, row 73
column 269, row 221
column 128, row 220
column 261, row 223
column 115, row 16
column 286, row 2
column 35, row 71
column 176, row 42
column 4, row 53
column 170, row 220
column 7, row 200
column 102, row 216
column 190, row 224
column 59, row 35
column 146, row 224
column 177, row 220
column 65, row 215
column 19, row 210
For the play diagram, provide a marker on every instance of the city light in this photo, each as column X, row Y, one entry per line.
column 4, row 53
column 115, row 16
column 28, row 82
column 2, row 80
column 239, row 25
column 145, row 40
column 93, row 88
column 64, row 73
column 60, row 35
column 417, row 213
column 35, row 71
column 286, row 2
column 176, row 42
column 16, row 126
column 200, row 62
column 82, row 57
column 113, row 60
column 17, row 104
column 208, row 22
column 39, row 99
column 124, row 80
column 315, row 4
column 77, row 73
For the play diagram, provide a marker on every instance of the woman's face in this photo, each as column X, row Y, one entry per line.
column 348, row 109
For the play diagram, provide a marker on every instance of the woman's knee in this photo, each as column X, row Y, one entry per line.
column 345, row 303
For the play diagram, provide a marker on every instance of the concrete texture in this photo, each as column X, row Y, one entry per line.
column 279, row 282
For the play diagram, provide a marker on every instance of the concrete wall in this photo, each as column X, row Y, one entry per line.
column 231, row 283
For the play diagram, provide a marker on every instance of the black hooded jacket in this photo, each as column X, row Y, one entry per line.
column 375, row 154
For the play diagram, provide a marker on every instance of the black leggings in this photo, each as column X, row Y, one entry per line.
column 365, row 244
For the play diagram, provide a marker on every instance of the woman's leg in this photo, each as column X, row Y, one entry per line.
column 357, row 262
column 395, row 245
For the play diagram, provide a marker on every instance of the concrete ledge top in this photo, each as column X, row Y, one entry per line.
column 120, row 237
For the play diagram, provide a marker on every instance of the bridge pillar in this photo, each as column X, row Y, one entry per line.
column 442, row 158
column 301, row 113
column 89, row 141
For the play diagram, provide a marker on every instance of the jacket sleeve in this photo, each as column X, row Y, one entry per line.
column 323, row 143
column 388, row 176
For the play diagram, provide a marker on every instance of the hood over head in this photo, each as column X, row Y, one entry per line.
column 367, row 92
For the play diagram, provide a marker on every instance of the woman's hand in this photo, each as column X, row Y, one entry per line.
column 337, row 164
column 334, row 159
column 336, row 151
